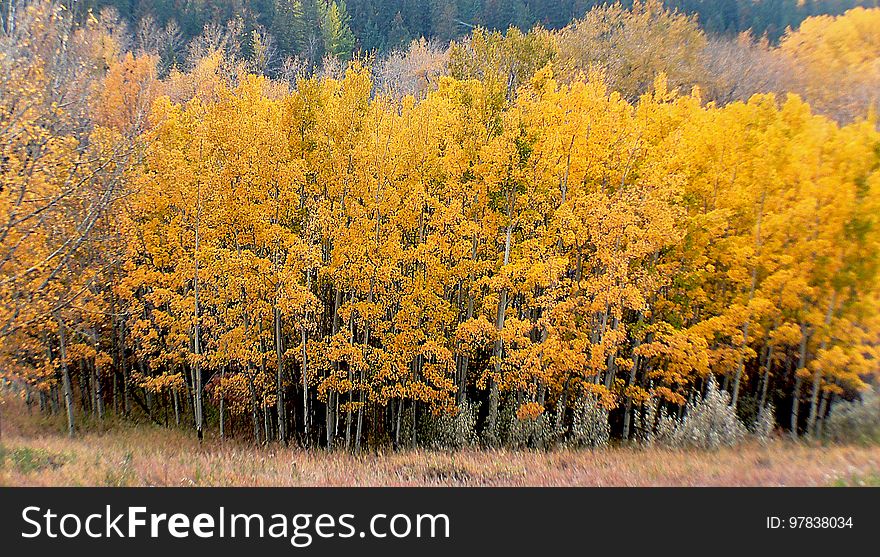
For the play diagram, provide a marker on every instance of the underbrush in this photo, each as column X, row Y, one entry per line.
column 26, row 460
column 854, row 422
column 708, row 422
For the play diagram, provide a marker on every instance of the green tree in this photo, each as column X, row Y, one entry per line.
column 335, row 29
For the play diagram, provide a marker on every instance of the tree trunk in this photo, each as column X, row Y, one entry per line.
column 823, row 409
column 766, row 379
column 817, row 374
column 348, row 414
column 266, row 429
column 85, row 393
column 745, row 342
column 397, row 423
column 360, row 417
column 65, row 377
column 279, row 380
column 611, row 361
column 197, row 368
column 627, row 416
column 739, row 367
column 465, row 362
column 255, row 413
column 305, row 384
column 176, row 397
column 492, row 419
column 305, row 367
column 560, row 410
column 126, row 404
column 796, row 395
column 96, row 379
column 222, row 406
column 795, row 406
column 197, row 388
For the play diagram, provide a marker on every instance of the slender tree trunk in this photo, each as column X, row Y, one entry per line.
column 197, row 368
column 255, row 412
column 126, row 404
column 197, row 397
column 336, row 412
column 561, row 408
column 740, row 364
column 348, row 414
column 65, row 377
column 465, row 360
column 96, row 379
column 197, row 387
column 176, row 397
column 266, row 428
column 817, row 374
column 823, row 407
column 796, row 395
column 305, row 384
column 397, row 425
column 360, row 417
column 768, row 364
column 462, row 384
column 279, row 381
column 627, row 416
column 85, row 393
column 222, row 405
column 795, row 406
column 611, row 362
column 492, row 419
column 414, row 422
column 745, row 328
column 331, row 395
column 252, row 391
column 328, row 419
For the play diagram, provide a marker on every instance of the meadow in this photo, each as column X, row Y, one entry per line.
column 35, row 451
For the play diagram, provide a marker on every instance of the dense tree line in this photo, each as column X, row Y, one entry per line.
column 520, row 241
column 301, row 27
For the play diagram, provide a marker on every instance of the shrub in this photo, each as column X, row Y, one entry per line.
column 855, row 422
column 451, row 431
column 589, row 424
column 710, row 422
column 764, row 424
column 659, row 426
column 532, row 432
column 522, row 427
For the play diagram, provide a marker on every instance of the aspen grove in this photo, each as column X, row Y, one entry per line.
column 318, row 261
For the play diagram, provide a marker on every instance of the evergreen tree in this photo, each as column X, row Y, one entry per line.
column 336, row 31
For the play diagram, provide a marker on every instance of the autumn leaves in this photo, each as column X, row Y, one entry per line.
column 328, row 266
column 396, row 259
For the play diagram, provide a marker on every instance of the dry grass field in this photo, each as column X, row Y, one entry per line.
column 35, row 452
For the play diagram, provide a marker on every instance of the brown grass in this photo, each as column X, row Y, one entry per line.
column 37, row 453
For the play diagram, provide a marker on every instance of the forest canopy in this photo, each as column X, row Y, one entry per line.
column 388, row 24
column 508, row 233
